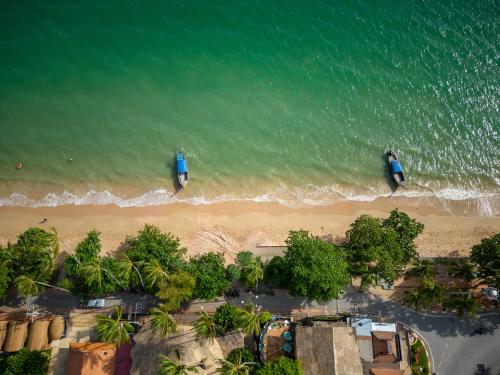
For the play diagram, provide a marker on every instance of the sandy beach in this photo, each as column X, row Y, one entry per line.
column 233, row 227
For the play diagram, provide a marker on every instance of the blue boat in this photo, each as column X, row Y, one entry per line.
column 182, row 169
column 395, row 167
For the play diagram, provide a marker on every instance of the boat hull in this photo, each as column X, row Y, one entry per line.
column 396, row 170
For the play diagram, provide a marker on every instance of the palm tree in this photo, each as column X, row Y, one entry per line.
column 249, row 320
column 416, row 299
column 94, row 273
column 177, row 288
column 170, row 367
column 255, row 272
column 126, row 266
column 114, row 329
column 237, row 368
column 432, row 292
column 426, row 294
column 423, row 270
column 205, row 327
column 161, row 320
column 463, row 269
column 465, row 304
column 155, row 273
column 27, row 286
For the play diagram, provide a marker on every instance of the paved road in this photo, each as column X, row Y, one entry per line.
column 455, row 349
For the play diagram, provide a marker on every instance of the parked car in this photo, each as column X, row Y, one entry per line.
column 96, row 303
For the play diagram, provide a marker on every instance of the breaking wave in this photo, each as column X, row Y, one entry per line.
column 318, row 196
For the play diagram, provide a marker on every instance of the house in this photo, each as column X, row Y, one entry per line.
column 380, row 346
column 93, row 358
column 327, row 349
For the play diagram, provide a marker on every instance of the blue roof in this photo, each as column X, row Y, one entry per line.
column 182, row 166
column 395, row 166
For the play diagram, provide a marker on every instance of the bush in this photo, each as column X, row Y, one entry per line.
column 208, row 269
column 226, row 318
column 419, row 359
column 25, row 362
column 233, row 273
column 282, row 366
column 240, row 355
column 265, row 316
column 4, row 281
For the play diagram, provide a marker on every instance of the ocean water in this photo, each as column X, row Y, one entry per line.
column 288, row 101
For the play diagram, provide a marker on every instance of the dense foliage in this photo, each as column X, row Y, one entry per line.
column 34, row 254
column 114, row 329
column 177, row 288
column 91, row 274
column 487, row 256
column 226, row 318
column 317, row 269
column 4, row 281
column 25, row 362
column 276, row 273
column 407, row 229
column 150, row 243
column 379, row 249
column 282, row 366
column 240, row 355
column 208, row 270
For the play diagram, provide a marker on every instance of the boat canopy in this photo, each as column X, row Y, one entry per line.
column 396, row 167
column 181, row 164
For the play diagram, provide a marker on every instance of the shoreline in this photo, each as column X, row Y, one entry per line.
column 231, row 227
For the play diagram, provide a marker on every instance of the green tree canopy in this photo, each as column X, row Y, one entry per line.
column 374, row 251
column 115, row 329
column 4, row 281
column 276, row 273
column 318, row 270
column 87, row 250
column 487, row 255
column 282, row 366
column 161, row 320
column 34, row 254
column 177, row 288
column 240, row 355
column 25, row 362
column 150, row 243
column 226, row 317
column 233, row 273
column 205, row 327
column 465, row 304
column 407, row 229
column 208, row 269
column 170, row 367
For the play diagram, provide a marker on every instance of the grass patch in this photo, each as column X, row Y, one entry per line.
column 419, row 359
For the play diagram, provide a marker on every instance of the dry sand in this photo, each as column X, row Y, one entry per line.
column 232, row 227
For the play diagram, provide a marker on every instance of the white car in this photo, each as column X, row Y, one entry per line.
column 96, row 303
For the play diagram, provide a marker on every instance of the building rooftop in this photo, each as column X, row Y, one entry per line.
column 327, row 350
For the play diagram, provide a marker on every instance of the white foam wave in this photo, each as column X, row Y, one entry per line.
column 309, row 196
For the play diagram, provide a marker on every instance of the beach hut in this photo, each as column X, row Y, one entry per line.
column 38, row 335
column 3, row 332
column 56, row 328
column 15, row 336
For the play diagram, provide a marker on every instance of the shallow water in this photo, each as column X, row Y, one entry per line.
column 285, row 100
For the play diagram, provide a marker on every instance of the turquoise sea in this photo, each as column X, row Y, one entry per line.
column 282, row 100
